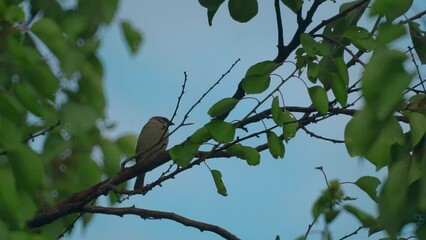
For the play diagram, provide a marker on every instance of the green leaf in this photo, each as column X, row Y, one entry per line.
column 291, row 125
column 277, row 112
column 27, row 167
column 183, row 153
column 335, row 29
column 418, row 37
column 11, row 108
column 361, row 132
column 220, row 186
column 251, row 155
column 222, row 107
column 71, row 116
column 369, row 185
column 92, row 172
column 256, row 84
column 339, row 81
column 388, row 32
column 312, row 47
column 360, row 38
column 417, row 126
column 50, row 33
column 275, row 145
column 242, row 10
column 112, row 156
column 365, row 218
column 257, row 77
column 221, row 131
column 73, row 26
column 212, row 7
column 30, row 99
column 327, row 66
column 10, row 135
column 132, row 35
column 392, row 199
column 200, row 136
column 319, row 98
column 262, row 68
column 127, row 144
column 330, row 215
column 392, row 9
column 71, row 60
column 339, row 89
column 54, row 146
column 294, row 5
column 342, row 70
column 371, row 138
column 91, row 85
column 14, row 14
column 313, row 71
column 9, row 198
column 383, row 82
column 309, row 44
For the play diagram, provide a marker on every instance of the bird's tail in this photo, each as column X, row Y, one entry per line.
column 139, row 181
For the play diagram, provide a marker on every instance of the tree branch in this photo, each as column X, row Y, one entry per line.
column 417, row 16
column 77, row 201
column 151, row 214
column 302, row 26
column 280, row 32
column 350, row 9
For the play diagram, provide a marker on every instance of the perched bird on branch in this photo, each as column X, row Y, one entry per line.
column 152, row 143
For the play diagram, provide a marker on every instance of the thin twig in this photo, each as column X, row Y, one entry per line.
column 325, row 175
column 180, row 97
column 354, row 57
column 33, row 136
column 352, row 234
column 418, row 15
column 312, row 134
column 339, row 15
column 410, row 49
column 310, row 228
column 204, row 95
column 155, row 215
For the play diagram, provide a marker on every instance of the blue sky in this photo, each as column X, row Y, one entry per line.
column 273, row 198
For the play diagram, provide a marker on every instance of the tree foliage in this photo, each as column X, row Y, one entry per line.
column 52, row 89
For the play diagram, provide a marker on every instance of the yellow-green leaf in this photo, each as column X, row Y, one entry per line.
column 220, row 186
column 112, row 156
column 183, row 153
column 277, row 112
column 291, row 125
column 275, row 145
column 9, row 198
column 222, row 107
column 127, row 144
column 200, row 136
column 221, row 131
column 319, row 98
column 27, row 167
column 369, row 185
column 132, row 35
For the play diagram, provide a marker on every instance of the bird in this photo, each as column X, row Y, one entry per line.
column 152, row 143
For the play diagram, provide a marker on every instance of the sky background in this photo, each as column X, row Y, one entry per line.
column 273, row 198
